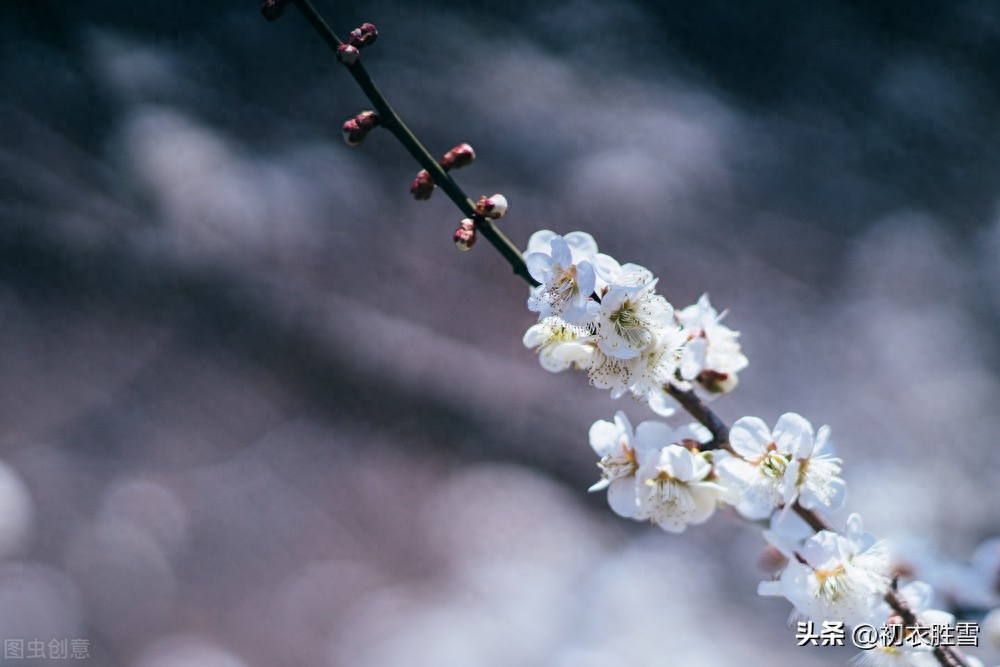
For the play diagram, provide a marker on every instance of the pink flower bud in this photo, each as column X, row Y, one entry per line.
column 458, row 157
column 465, row 235
column 369, row 33
column 356, row 129
column 363, row 36
column 347, row 54
column 422, row 186
column 492, row 207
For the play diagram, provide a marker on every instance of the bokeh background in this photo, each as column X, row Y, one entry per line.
column 256, row 410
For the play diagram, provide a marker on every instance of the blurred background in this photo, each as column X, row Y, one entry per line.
column 256, row 410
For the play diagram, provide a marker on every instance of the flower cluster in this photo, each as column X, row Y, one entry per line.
column 607, row 318
column 656, row 473
column 829, row 576
column 779, row 467
column 604, row 317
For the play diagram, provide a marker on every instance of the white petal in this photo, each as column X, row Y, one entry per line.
column 540, row 241
column 662, row 403
column 770, row 589
column 793, row 434
column 581, row 244
column 604, row 437
column 749, row 436
column 622, row 497
column 539, row 265
column 561, row 255
column 653, row 434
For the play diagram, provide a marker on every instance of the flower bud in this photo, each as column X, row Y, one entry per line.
column 465, row 235
column 492, row 207
column 771, row 560
column 460, row 156
column 422, row 186
column 273, row 9
column 364, row 36
column 347, row 54
column 716, row 382
column 356, row 129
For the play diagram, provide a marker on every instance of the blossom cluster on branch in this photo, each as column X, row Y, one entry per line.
column 606, row 318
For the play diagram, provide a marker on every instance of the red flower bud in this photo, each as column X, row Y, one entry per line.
column 356, row 129
column 347, row 54
column 465, row 235
column 458, row 157
column 422, row 186
column 492, row 207
column 363, row 36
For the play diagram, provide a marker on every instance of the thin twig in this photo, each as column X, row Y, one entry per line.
column 392, row 122
column 697, row 409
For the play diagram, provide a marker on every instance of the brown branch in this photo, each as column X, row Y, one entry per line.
column 697, row 409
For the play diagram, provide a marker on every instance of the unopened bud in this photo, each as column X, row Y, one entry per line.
column 492, row 207
column 460, row 156
column 364, row 36
column 422, row 186
column 273, row 9
column 347, row 54
column 771, row 559
column 356, row 129
column 465, row 235
column 716, row 382
column 691, row 444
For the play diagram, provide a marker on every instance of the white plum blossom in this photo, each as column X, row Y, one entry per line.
column 620, row 449
column 654, row 368
column 565, row 282
column 761, row 460
column 834, row 577
column 643, row 376
column 560, row 345
column 652, row 473
column 677, row 488
column 777, row 468
column 712, row 356
column 629, row 318
column 811, row 477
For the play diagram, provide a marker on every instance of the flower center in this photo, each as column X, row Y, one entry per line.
column 628, row 325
